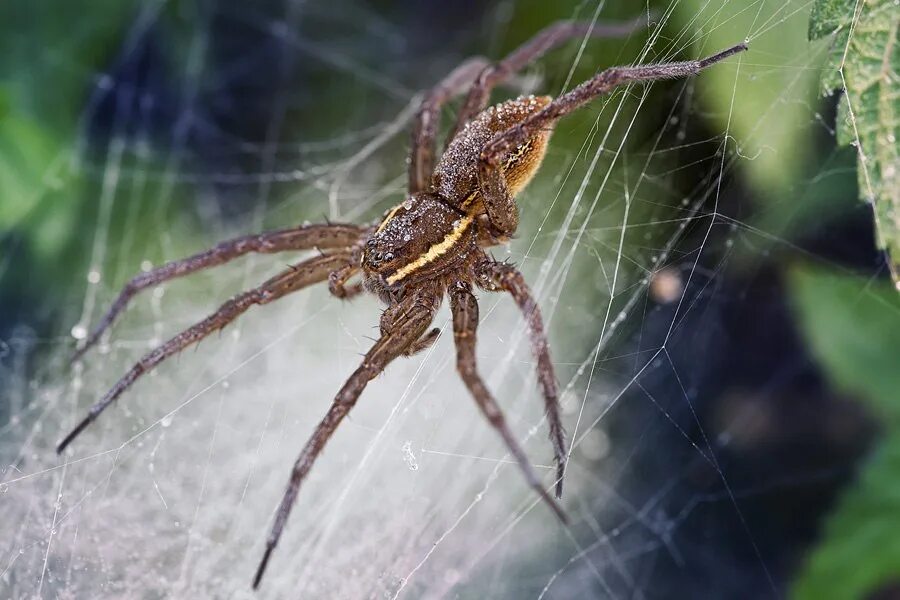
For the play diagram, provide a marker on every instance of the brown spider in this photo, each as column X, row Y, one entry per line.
column 430, row 245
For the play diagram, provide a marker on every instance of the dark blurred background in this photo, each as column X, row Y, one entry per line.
column 140, row 131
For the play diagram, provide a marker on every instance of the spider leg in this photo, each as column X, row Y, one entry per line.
column 394, row 314
column 295, row 278
column 423, row 343
column 298, row 238
column 404, row 331
column 495, row 276
column 465, row 324
column 499, row 205
column 544, row 41
column 337, row 281
column 421, row 156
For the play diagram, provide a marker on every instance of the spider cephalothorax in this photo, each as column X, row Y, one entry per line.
column 429, row 246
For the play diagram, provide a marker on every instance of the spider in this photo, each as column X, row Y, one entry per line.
column 431, row 245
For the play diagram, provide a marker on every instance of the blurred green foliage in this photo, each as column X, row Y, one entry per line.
column 853, row 327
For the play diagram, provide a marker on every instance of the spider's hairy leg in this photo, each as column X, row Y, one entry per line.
column 544, row 41
column 464, row 308
column 337, row 280
column 326, row 237
column 404, row 331
column 495, row 276
column 498, row 202
column 301, row 275
column 423, row 343
column 395, row 314
column 421, row 154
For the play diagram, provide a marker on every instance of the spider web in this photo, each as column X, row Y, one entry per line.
column 625, row 240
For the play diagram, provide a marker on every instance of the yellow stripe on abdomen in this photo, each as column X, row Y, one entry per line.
column 434, row 252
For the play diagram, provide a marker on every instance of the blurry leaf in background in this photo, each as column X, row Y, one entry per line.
column 763, row 109
column 865, row 62
column 861, row 552
column 853, row 327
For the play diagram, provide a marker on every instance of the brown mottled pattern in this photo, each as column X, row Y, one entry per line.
column 456, row 176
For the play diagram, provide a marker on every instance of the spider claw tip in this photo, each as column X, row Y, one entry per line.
column 262, row 567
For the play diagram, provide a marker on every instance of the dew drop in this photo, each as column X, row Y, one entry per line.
column 79, row 332
column 146, row 265
column 166, row 421
column 93, row 276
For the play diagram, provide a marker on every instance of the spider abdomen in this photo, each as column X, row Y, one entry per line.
column 456, row 176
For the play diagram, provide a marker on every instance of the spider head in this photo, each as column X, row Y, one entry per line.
column 416, row 239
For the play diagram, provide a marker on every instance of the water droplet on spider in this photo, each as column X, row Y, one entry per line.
column 166, row 421
column 408, row 204
column 79, row 332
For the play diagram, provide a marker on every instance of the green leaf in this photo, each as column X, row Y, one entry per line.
column 828, row 16
column 853, row 327
column 865, row 61
column 861, row 548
